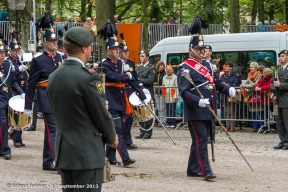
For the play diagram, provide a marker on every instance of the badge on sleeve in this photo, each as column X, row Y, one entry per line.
column 59, row 63
column 99, row 87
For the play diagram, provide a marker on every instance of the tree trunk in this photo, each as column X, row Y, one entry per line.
column 155, row 10
column 102, row 16
column 145, row 41
column 254, row 10
column 234, row 16
column 286, row 9
column 82, row 13
column 48, row 6
column 89, row 12
column 261, row 11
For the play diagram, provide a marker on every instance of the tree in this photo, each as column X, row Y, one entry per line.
column 261, row 12
column 234, row 16
column 145, row 28
column 102, row 16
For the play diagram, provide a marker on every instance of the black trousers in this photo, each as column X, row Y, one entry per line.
column 82, row 180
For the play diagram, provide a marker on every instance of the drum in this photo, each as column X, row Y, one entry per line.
column 140, row 110
column 17, row 119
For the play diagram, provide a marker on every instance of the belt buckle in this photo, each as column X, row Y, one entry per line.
column 210, row 86
column 4, row 88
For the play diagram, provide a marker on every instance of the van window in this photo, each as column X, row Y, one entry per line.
column 175, row 59
column 154, row 59
column 241, row 60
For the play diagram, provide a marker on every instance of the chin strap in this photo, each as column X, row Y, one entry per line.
column 50, row 46
column 115, row 58
column 195, row 53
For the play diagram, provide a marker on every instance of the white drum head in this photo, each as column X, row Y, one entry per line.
column 17, row 103
column 134, row 99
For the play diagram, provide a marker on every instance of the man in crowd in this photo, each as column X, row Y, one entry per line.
column 196, row 113
column 279, row 87
column 42, row 65
column 84, row 127
column 146, row 73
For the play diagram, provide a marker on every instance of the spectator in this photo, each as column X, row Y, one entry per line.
column 267, row 26
column 88, row 24
column 253, row 77
column 164, row 27
column 229, row 77
column 59, row 28
column 116, row 19
column 160, row 103
column 164, row 21
column 69, row 23
column 4, row 16
column 263, row 86
column 78, row 20
column 94, row 20
column 171, row 96
column 154, row 31
column 172, row 27
column 261, row 27
column 137, row 20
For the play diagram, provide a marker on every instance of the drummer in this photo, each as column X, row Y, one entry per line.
column 7, row 84
column 117, row 74
column 19, row 70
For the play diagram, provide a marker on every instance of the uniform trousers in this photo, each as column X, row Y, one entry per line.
column 198, row 160
column 49, row 139
column 282, row 125
column 90, row 179
column 122, row 148
column 127, row 121
column 4, row 148
column 16, row 136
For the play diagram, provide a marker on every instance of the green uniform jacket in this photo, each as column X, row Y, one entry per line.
column 147, row 77
column 282, row 91
column 83, row 123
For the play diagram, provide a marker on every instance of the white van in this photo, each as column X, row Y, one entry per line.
column 239, row 48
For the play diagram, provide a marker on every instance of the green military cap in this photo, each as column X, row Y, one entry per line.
column 283, row 51
column 79, row 35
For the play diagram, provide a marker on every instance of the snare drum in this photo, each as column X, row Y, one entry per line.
column 17, row 119
column 140, row 110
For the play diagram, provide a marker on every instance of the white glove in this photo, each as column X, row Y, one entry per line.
column 129, row 74
column 23, row 95
column 232, row 92
column 203, row 102
column 23, row 68
column 28, row 112
column 146, row 101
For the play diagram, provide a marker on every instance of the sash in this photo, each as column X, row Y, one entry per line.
column 201, row 70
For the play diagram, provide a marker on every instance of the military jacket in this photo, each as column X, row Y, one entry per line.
column 282, row 91
column 147, row 76
column 190, row 96
column 132, row 70
column 8, row 69
column 115, row 74
column 41, row 67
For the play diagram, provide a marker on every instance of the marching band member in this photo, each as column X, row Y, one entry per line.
column 117, row 74
column 198, row 116
column 41, row 67
column 19, row 70
column 146, row 73
column 5, row 95
column 127, row 118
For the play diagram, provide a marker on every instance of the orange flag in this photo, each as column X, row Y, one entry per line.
column 163, row 92
column 173, row 92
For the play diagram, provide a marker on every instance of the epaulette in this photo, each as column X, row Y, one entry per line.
column 5, row 58
column 130, row 60
column 38, row 54
column 103, row 60
column 87, row 70
column 61, row 53
column 181, row 64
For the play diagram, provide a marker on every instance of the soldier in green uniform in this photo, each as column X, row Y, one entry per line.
column 279, row 87
column 146, row 73
column 84, row 124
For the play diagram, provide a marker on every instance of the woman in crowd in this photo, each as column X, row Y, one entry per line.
column 160, row 103
column 263, row 87
column 171, row 96
column 229, row 77
column 253, row 77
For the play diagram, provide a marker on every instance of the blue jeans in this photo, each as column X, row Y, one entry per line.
column 259, row 115
column 170, row 112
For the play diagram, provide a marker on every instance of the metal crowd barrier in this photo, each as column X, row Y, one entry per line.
column 244, row 113
column 5, row 27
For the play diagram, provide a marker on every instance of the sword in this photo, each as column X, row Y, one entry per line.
column 186, row 73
